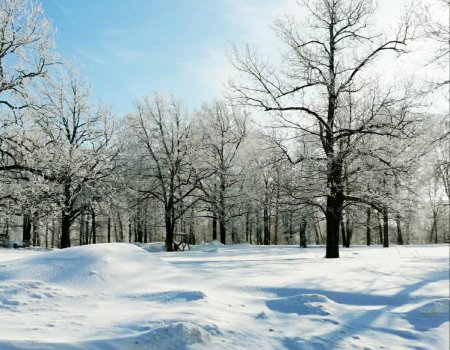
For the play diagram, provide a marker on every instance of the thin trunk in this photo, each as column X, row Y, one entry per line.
column 214, row 226
column 368, row 238
column 94, row 229
column 53, row 234
column 399, row 230
column 46, row 233
column 109, row 227
column 275, row 228
column 385, row 229
column 26, row 228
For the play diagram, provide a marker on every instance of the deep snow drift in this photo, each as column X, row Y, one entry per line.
column 120, row 296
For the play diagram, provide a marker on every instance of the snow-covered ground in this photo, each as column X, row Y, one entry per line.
column 120, row 296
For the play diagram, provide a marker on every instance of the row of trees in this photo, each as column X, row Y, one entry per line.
column 344, row 147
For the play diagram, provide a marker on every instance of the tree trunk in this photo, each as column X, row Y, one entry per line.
column 258, row 228
column 109, row 227
column 94, row 229
column 53, row 234
column 214, row 226
column 65, row 229
column 303, row 233
column 275, row 226
column 385, row 229
column 222, row 229
column 26, row 228
column 368, row 238
column 66, row 217
column 399, row 230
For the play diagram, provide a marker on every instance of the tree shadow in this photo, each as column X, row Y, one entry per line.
column 364, row 319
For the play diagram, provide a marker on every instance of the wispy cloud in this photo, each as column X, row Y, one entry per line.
column 89, row 56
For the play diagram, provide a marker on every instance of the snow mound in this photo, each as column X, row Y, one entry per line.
column 430, row 315
column 435, row 307
column 100, row 264
column 302, row 304
column 173, row 336
column 211, row 247
column 155, row 247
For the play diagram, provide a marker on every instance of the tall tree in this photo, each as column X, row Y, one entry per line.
column 328, row 58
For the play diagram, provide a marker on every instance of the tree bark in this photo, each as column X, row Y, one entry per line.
column 303, row 233
column 26, row 228
column 399, row 230
column 385, row 229
column 368, row 236
column 94, row 228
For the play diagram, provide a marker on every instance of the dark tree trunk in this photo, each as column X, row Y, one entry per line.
column 121, row 237
column 335, row 201
column 303, row 233
column 275, row 226
column 399, row 230
column 46, row 233
column 250, row 231
column 87, row 239
column 130, row 232
column 214, row 226
column 65, row 229
column 169, row 235
column 170, row 222
column 26, row 228
column 53, row 234
column 109, row 228
column 66, row 217
column 368, row 237
column 222, row 229
column 385, row 229
column 94, row 229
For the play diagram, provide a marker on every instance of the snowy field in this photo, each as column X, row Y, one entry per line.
column 120, row 296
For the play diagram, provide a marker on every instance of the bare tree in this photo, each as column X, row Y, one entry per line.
column 165, row 146
column 327, row 59
column 224, row 130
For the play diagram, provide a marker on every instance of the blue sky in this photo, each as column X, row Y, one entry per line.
column 131, row 48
